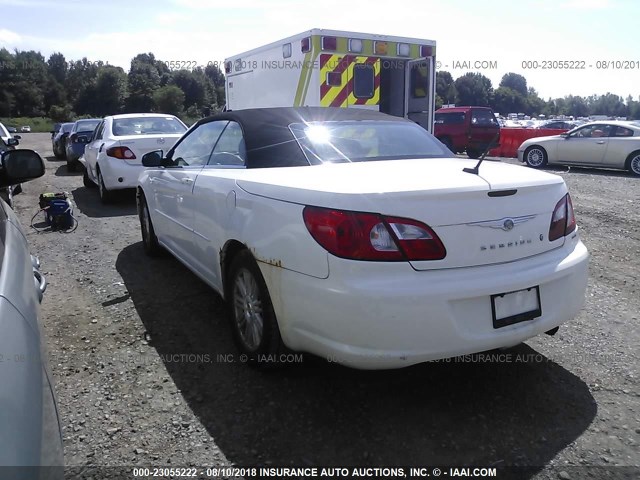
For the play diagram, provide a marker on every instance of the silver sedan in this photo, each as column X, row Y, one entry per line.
column 611, row 144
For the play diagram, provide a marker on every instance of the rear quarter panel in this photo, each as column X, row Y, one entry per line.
column 619, row 149
column 276, row 234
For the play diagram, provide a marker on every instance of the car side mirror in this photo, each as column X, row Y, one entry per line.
column 12, row 142
column 153, row 159
column 20, row 166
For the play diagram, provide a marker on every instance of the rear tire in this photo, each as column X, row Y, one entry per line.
column 254, row 323
column 536, row 156
column 149, row 239
column 471, row 153
column 447, row 143
column 71, row 166
column 87, row 181
column 633, row 163
column 105, row 195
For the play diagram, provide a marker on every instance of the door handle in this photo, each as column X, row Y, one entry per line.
column 600, row 142
column 187, row 180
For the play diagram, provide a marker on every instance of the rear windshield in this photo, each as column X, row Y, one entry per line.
column 483, row 118
column 147, row 126
column 86, row 125
column 365, row 141
column 66, row 128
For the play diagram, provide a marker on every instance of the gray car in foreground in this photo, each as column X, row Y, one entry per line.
column 30, row 432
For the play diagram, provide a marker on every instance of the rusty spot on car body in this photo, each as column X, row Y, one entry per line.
column 271, row 261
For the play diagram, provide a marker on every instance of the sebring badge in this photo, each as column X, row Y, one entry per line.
column 507, row 224
column 160, row 141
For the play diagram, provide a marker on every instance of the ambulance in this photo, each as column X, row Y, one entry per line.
column 330, row 68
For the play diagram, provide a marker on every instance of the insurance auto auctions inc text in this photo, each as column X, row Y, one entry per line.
column 374, row 472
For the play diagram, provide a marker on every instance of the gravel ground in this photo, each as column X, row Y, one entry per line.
column 137, row 347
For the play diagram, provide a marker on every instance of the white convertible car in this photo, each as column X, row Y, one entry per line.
column 358, row 237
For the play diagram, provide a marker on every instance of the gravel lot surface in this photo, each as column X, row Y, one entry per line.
column 137, row 345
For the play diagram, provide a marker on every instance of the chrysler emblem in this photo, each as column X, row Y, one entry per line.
column 507, row 224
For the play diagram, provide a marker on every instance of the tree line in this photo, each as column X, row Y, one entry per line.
column 32, row 86
column 513, row 95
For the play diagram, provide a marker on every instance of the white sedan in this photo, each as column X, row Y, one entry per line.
column 612, row 144
column 113, row 155
column 358, row 237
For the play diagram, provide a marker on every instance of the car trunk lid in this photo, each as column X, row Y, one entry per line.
column 500, row 215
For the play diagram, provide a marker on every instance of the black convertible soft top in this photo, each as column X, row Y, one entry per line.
column 270, row 142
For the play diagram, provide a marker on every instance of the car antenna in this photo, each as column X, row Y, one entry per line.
column 474, row 170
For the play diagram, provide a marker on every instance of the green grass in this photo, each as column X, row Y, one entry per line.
column 38, row 124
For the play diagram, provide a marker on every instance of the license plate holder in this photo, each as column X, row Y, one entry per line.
column 516, row 306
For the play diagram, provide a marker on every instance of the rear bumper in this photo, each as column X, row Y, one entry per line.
column 118, row 174
column 369, row 316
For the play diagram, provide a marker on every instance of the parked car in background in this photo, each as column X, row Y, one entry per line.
column 26, row 129
column 59, row 139
column 12, row 129
column 557, row 124
column 78, row 137
column 612, row 144
column 467, row 129
column 113, row 157
column 30, row 434
column 359, row 237
column 5, row 135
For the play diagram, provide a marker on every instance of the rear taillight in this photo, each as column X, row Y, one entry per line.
column 370, row 236
column 123, row 153
column 563, row 220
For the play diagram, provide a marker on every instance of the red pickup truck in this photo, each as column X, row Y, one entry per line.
column 467, row 129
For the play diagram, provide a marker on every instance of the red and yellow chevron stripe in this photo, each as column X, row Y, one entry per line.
column 340, row 67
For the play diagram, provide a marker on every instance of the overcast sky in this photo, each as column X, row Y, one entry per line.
column 506, row 32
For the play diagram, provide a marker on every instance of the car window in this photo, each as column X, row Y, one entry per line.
column 99, row 132
column 592, row 131
column 147, row 126
column 230, row 148
column 419, row 80
column 363, row 80
column 365, row 141
column 195, row 149
column 86, row 125
column 623, row 132
column 453, row 118
column 483, row 118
